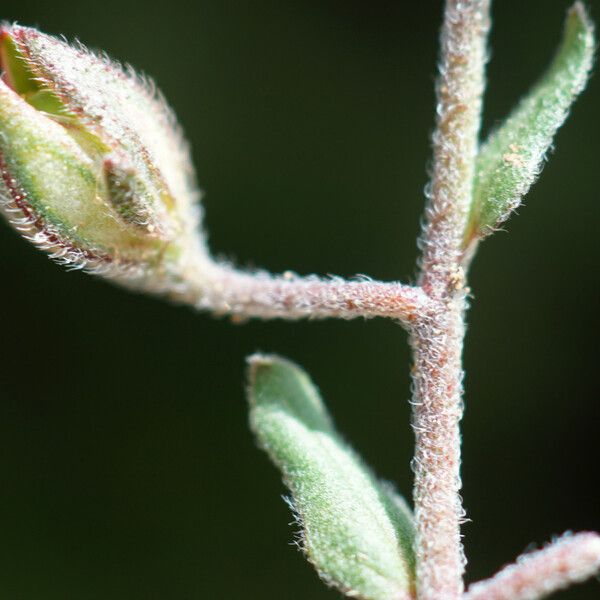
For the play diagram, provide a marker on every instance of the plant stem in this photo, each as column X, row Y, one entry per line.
column 569, row 560
column 437, row 340
column 459, row 95
column 227, row 291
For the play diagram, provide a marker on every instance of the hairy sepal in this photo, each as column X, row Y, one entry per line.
column 95, row 169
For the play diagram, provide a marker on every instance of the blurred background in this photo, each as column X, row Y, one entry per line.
column 127, row 468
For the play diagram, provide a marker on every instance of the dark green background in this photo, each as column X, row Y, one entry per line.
column 126, row 467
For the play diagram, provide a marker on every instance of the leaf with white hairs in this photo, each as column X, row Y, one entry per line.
column 356, row 530
column 512, row 157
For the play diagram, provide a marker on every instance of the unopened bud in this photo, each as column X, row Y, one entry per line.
column 93, row 167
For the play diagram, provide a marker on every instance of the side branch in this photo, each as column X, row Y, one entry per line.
column 571, row 559
column 224, row 290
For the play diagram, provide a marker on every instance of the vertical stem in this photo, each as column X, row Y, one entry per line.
column 437, row 340
column 459, row 95
column 437, row 410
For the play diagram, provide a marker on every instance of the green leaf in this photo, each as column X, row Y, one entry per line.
column 510, row 160
column 356, row 530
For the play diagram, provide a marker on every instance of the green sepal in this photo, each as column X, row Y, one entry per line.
column 356, row 530
column 24, row 82
column 129, row 195
column 60, row 183
column 511, row 159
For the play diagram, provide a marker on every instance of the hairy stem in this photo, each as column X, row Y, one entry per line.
column 437, row 340
column 437, row 409
column 459, row 96
column 227, row 291
column 571, row 559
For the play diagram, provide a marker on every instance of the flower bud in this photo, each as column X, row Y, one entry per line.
column 93, row 167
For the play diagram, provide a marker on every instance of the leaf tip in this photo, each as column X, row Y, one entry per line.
column 580, row 30
column 579, row 15
column 259, row 364
column 259, row 360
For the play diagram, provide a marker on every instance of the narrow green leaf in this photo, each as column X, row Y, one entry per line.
column 356, row 530
column 512, row 157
